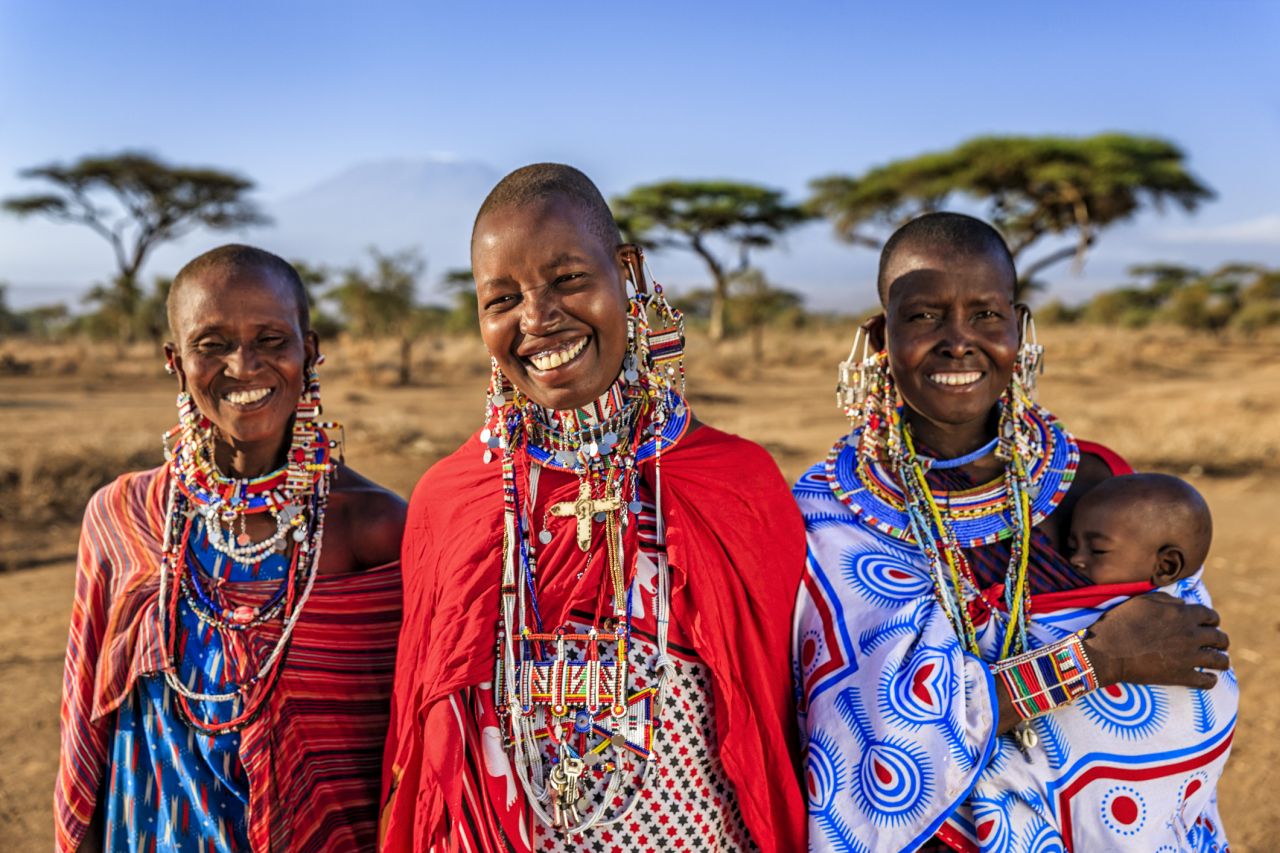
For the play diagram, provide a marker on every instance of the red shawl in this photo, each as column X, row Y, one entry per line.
column 312, row 755
column 735, row 542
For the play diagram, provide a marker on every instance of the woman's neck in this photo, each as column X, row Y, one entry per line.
column 247, row 460
column 952, row 441
column 612, row 401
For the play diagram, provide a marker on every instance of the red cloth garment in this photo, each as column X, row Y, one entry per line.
column 312, row 756
column 735, row 544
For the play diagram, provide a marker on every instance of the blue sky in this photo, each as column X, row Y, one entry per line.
column 292, row 93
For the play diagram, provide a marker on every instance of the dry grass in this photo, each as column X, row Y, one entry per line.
column 1197, row 405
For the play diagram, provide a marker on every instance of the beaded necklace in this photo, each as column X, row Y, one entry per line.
column 588, row 698
column 295, row 494
column 894, row 497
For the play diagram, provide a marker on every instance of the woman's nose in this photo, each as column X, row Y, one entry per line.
column 242, row 362
column 957, row 337
column 540, row 311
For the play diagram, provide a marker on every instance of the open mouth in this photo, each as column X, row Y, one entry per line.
column 250, row 398
column 956, row 379
column 558, row 356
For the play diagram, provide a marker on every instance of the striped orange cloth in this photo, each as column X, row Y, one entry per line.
column 313, row 756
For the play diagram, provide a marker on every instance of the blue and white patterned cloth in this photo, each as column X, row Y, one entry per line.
column 171, row 787
column 899, row 720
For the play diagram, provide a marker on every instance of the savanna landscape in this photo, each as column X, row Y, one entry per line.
column 1198, row 404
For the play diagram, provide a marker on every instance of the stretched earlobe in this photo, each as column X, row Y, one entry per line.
column 873, row 328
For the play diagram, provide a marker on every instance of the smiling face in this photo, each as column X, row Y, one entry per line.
column 951, row 329
column 552, row 301
column 241, row 353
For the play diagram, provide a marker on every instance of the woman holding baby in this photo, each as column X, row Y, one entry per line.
column 971, row 675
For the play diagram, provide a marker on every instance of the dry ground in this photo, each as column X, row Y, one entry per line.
column 1201, row 407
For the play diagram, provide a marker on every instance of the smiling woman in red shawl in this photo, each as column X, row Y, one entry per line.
column 597, row 587
column 228, row 680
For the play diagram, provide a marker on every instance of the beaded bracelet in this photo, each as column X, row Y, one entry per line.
column 1043, row 679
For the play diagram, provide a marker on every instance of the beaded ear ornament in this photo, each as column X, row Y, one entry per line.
column 296, row 495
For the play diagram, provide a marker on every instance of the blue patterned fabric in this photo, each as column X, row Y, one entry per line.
column 900, row 720
column 171, row 787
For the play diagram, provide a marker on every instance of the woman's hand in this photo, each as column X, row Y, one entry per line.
column 1158, row 639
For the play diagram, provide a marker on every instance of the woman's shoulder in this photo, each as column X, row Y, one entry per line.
column 132, row 491
column 372, row 511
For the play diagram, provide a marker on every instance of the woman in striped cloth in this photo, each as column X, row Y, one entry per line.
column 229, row 666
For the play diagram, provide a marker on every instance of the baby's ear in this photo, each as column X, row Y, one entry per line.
column 1171, row 563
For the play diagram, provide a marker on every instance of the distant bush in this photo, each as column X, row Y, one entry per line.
column 1238, row 296
column 1057, row 313
column 1256, row 315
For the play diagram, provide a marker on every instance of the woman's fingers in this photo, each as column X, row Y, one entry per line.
column 1203, row 680
column 1204, row 615
column 1213, row 638
column 1213, row 659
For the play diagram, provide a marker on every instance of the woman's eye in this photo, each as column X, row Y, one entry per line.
column 274, row 341
column 501, row 302
column 569, row 279
column 211, row 347
column 924, row 315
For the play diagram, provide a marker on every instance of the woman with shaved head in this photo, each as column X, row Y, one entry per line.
column 233, row 633
column 959, row 690
column 597, row 587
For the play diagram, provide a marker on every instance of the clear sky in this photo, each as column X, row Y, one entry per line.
column 292, row 93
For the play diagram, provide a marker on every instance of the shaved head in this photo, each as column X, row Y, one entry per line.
column 954, row 233
column 1168, row 509
column 540, row 182
column 233, row 259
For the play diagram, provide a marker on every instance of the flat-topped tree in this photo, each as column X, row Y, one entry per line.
column 1029, row 187
column 137, row 202
column 695, row 215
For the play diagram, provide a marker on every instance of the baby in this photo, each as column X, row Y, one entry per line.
column 1140, row 527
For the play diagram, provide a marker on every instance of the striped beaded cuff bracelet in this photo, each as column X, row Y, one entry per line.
column 1044, row 679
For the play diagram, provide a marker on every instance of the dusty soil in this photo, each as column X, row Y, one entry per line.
column 1205, row 408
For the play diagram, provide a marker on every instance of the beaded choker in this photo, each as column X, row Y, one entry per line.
column 978, row 516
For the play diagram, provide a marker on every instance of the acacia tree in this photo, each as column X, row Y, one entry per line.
column 382, row 302
column 137, row 202
column 1028, row 187
column 696, row 215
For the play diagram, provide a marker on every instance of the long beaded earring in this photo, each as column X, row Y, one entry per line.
column 866, row 393
column 1028, row 365
column 1018, row 436
column 656, row 328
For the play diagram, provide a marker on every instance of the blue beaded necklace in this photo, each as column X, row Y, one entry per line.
column 960, row 461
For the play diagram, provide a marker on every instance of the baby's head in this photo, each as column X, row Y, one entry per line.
column 1140, row 527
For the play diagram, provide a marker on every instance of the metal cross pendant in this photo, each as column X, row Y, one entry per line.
column 584, row 509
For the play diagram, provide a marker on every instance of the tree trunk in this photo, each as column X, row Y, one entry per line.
column 406, row 361
column 719, row 300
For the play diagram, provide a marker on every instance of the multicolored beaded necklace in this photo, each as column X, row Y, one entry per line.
column 894, row 497
column 296, row 495
column 588, row 698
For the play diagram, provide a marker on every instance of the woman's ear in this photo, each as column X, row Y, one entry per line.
column 873, row 328
column 173, row 364
column 1022, row 313
column 1171, row 563
column 311, row 346
column 632, row 257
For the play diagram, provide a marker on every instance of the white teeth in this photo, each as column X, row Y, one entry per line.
column 550, row 360
column 244, row 398
column 956, row 378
